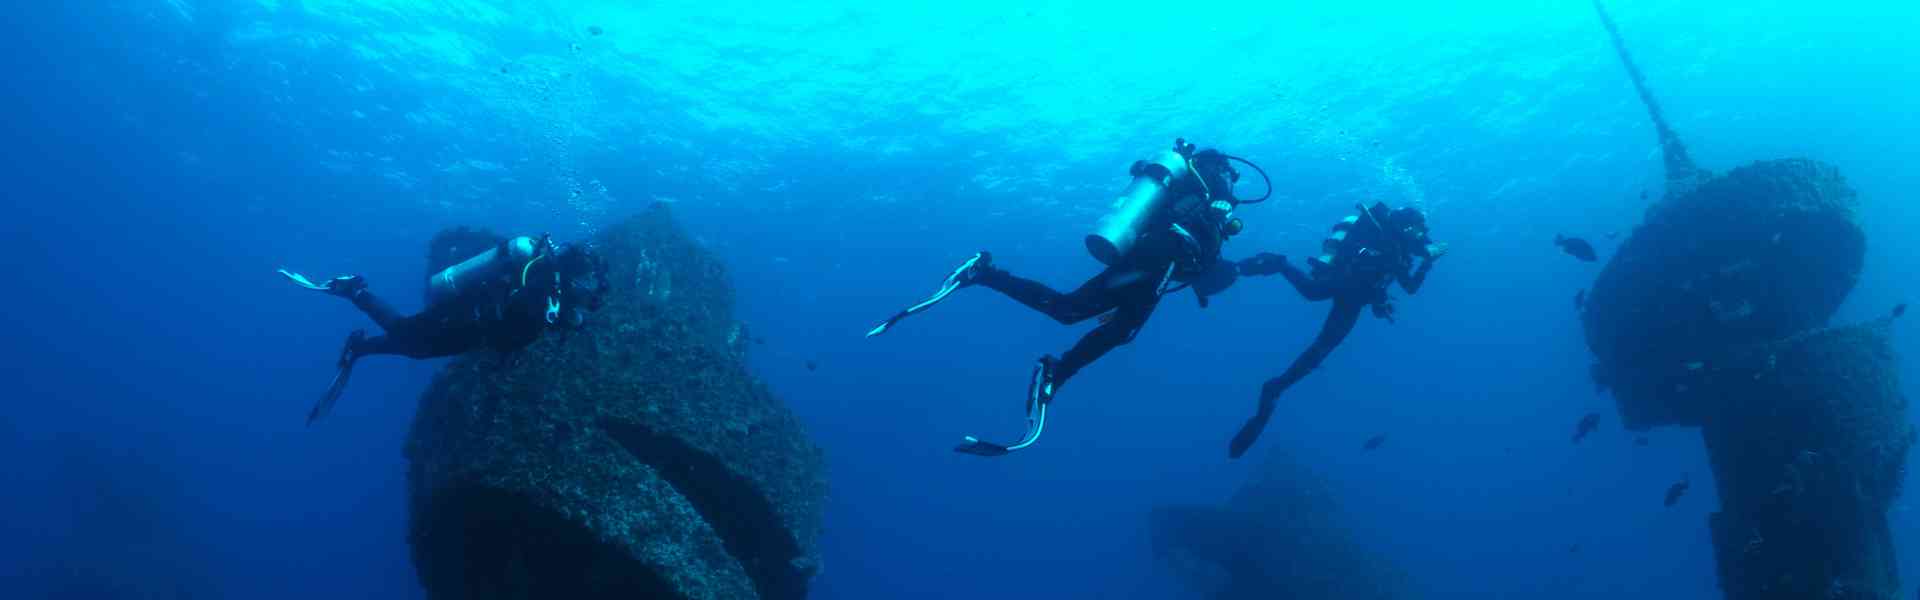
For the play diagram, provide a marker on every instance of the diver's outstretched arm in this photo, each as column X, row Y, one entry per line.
column 1268, row 263
column 1264, row 263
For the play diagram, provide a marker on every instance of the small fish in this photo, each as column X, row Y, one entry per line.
column 1580, row 300
column 595, row 30
column 1374, row 442
column 1613, row 235
column 1587, row 425
column 1675, row 491
column 757, row 340
column 813, row 366
column 1641, row 441
column 1643, row 194
column 1576, row 247
column 1573, row 549
column 1898, row 310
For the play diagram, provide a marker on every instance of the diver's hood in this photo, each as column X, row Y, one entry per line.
column 1216, row 174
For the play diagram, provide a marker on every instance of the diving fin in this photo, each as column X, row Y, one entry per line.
column 961, row 277
column 1250, row 431
column 1039, row 397
column 339, row 385
column 302, row 281
column 344, row 286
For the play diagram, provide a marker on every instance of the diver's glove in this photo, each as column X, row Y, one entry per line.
column 1383, row 310
column 1219, row 212
column 1264, row 263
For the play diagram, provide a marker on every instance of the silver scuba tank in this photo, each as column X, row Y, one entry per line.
column 474, row 273
column 1115, row 235
column 1335, row 245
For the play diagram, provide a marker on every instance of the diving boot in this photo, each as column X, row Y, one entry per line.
column 1040, row 390
column 347, row 286
column 970, row 271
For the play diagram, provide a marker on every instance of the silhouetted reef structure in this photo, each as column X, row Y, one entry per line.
column 1281, row 536
column 1714, row 314
column 636, row 458
column 1809, row 447
column 1768, row 250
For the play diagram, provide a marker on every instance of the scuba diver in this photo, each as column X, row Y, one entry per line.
column 1168, row 226
column 502, row 298
column 1364, row 254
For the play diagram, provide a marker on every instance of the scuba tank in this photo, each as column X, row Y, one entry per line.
column 1355, row 236
column 1334, row 249
column 474, row 273
column 1136, row 209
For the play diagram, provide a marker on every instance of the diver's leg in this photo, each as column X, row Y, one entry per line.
column 404, row 343
column 421, row 336
column 1136, row 304
column 1312, row 289
column 1091, row 299
column 379, row 344
column 382, row 313
column 1340, row 322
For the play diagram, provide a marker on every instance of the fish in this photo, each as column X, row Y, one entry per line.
column 1580, row 300
column 1898, row 310
column 1675, row 491
column 1587, row 425
column 813, row 365
column 1613, row 235
column 595, row 30
column 1576, row 247
column 1374, row 442
column 1641, row 441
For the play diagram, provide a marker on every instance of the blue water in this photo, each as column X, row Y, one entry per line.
column 162, row 157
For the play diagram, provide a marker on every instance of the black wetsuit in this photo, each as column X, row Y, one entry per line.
column 1130, row 290
column 1352, row 286
column 1364, row 284
column 487, row 318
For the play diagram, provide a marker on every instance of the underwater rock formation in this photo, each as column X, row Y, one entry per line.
column 1279, row 537
column 129, row 528
column 1712, row 315
column 636, row 458
column 1809, row 446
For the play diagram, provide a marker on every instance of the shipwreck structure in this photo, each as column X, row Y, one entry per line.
column 1714, row 314
column 636, row 458
column 1280, row 536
